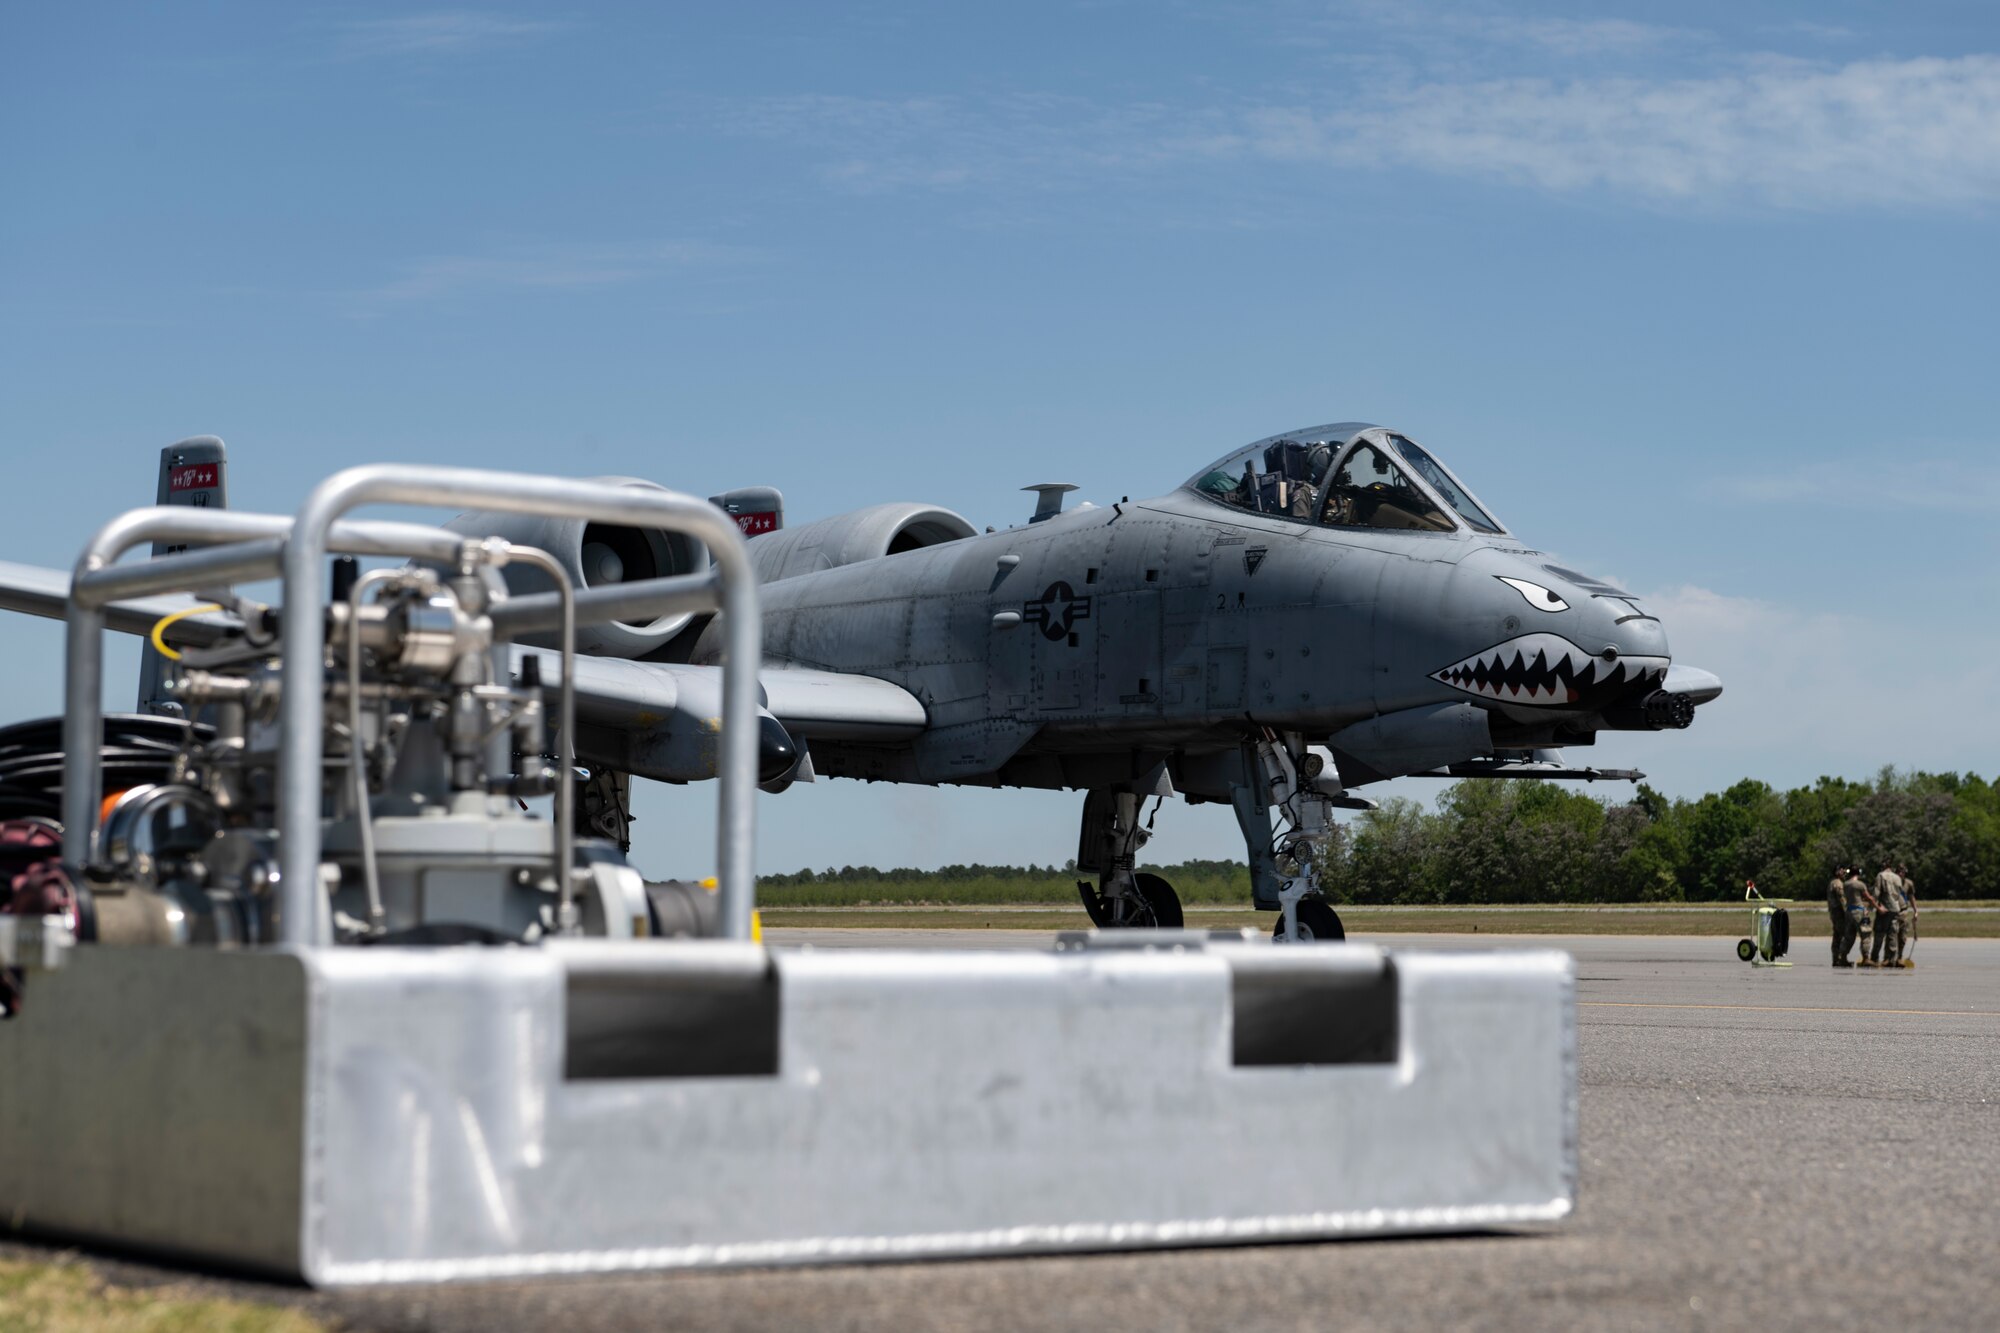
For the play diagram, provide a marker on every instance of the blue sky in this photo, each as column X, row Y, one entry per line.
column 1700, row 297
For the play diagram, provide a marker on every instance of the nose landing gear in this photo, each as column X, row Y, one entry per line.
column 1286, row 780
column 1313, row 919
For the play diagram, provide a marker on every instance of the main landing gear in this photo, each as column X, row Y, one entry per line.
column 604, row 806
column 1277, row 779
column 1122, row 897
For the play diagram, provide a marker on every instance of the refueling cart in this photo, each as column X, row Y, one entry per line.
column 300, row 982
column 1770, row 937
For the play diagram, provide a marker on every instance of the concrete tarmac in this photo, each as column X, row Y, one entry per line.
column 1796, row 1147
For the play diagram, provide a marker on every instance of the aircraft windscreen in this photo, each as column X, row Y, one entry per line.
column 1280, row 478
column 1369, row 491
column 1441, row 481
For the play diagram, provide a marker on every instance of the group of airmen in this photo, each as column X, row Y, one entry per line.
column 1882, row 918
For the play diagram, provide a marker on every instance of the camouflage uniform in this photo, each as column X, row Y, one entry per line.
column 1860, row 918
column 1836, row 909
column 1906, row 920
column 1889, row 909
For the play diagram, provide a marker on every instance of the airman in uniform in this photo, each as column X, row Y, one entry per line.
column 1836, row 910
column 1860, row 916
column 1909, row 914
column 1888, row 918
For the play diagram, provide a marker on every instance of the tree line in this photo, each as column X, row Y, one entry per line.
column 1519, row 841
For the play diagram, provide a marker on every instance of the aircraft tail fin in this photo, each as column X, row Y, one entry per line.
column 192, row 472
column 756, row 509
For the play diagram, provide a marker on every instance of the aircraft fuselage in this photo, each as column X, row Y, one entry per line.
column 1084, row 650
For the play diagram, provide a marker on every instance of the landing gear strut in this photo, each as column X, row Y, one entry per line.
column 1112, row 837
column 1285, row 779
column 604, row 806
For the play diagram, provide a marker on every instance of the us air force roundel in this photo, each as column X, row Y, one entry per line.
column 1057, row 610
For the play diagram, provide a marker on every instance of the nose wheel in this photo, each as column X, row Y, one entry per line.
column 1316, row 921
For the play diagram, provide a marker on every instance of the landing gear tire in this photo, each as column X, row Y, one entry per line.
column 1155, row 904
column 1746, row 950
column 1317, row 921
column 1162, row 900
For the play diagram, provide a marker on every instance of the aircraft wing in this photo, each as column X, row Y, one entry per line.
column 661, row 719
column 654, row 719
column 822, row 704
column 35, row 591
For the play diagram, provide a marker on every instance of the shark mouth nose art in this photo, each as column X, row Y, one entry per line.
column 1549, row 671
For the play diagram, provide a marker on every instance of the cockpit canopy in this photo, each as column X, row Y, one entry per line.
column 1347, row 475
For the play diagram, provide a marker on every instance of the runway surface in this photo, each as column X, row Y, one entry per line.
column 1791, row 1147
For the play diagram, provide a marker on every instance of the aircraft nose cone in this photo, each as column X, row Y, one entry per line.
column 1637, row 633
column 1543, row 637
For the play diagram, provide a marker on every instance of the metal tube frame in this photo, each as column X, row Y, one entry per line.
column 94, row 584
column 303, row 680
column 357, row 753
column 566, row 729
column 646, row 598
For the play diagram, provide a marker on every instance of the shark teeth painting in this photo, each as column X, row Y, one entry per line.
column 1547, row 671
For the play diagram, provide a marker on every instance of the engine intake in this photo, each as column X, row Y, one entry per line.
column 846, row 539
column 597, row 555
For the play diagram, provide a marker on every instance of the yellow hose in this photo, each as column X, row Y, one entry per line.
column 173, row 654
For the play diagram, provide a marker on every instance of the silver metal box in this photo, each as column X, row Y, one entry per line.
column 395, row 1115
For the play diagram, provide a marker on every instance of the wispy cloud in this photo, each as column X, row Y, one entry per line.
column 1898, row 483
column 1428, row 28
column 1819, row 32
column 544, row 268
column 1809, row 692
column 1872, row 134
column 442, row 32
column 1770, row 132
column 1019, row 140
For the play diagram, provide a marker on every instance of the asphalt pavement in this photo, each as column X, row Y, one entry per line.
column 1796, row 1147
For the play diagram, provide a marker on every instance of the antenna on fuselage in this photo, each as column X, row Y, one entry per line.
column 1050, row 501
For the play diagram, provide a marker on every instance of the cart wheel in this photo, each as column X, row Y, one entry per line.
column 1746, row 950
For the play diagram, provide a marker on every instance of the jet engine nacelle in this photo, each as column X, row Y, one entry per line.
column 846, row 539
column 597, row 555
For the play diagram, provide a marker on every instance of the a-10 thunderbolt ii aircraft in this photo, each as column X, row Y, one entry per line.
column 1334, row 590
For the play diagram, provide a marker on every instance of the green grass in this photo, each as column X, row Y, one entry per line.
column 987, row 886
column 1729, row 920
column 66, row 1297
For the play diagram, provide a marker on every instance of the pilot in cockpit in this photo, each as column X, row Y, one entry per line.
column 1303, row 501
column 1297, row 479
column 1369, row 491
column 1289, row 485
